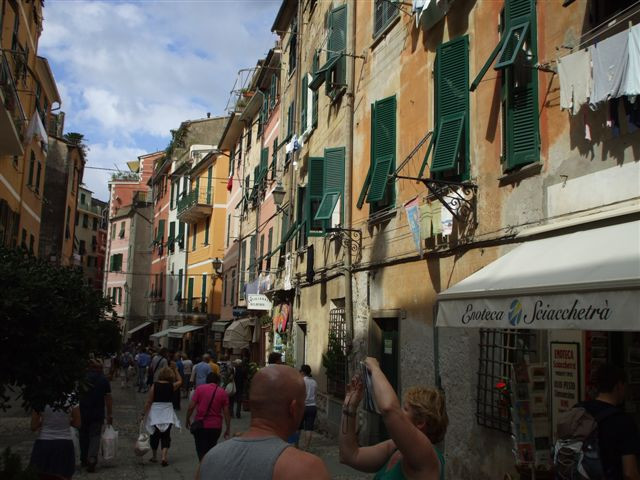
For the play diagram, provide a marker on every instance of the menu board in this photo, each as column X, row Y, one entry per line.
column 565, row 377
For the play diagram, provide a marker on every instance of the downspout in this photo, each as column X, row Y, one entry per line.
column 348, row 276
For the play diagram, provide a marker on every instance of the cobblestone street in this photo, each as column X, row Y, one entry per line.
column 127, row 405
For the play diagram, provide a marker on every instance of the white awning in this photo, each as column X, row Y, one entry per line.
column 238, row 334
column 139, row 327
column 180, row 331
column 586, row 280
column 161, row 333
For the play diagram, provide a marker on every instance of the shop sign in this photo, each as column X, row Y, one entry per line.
column 257, row 301
column 611, row 310
column 565, row 378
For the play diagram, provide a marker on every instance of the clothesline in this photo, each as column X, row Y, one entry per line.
column 596, row 29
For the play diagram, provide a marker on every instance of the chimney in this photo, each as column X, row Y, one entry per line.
column 208, row 114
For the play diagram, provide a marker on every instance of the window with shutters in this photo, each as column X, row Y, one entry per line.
column 315, row 95
column 301, row 217
column 243, row 262
column 515, row 55
column 330, row 208
column 314, row 195
column 384, row 13
column 293, row 46
column 291, row 120
column 274, row 158
column 252, row 258
column 304, row 97
column 267, row 264
column 334, row 72
column 450, row 142
column 378, row 190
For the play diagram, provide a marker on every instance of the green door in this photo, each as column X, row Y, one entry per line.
column 190, row 294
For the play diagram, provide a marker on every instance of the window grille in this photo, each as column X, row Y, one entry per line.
column 500, row 350
column 335, row 360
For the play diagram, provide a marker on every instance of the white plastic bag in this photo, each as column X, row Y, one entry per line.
column 75, row 437
column 231, row 388
column 109, row 443
column 143, row 444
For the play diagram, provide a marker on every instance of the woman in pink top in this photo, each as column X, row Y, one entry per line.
column 211, row 403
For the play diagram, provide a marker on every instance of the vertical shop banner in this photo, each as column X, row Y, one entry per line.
column 565, row 377
column 413, row 218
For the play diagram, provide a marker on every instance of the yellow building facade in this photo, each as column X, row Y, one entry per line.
column 27, row 90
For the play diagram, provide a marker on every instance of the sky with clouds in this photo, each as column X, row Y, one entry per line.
column 130, row 71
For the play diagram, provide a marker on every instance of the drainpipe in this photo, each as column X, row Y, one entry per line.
column 348, row 276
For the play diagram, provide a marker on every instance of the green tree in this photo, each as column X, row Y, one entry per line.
column 50, row 323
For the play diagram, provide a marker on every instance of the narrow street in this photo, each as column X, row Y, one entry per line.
column 127, row 405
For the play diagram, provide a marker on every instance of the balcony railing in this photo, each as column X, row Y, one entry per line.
column 195, row 305
column 195, row 205
column 12, row 117
column 90, row 208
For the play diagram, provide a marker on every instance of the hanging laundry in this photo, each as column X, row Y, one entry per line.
column 632, row 79
column 587, row 127
column 610, row 60
column 425, row 221
column 230, row 183
column 575, row 80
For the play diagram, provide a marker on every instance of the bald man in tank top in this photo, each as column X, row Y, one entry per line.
column 277, row 400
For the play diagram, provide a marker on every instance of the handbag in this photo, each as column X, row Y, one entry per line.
column 199, row 424
column 143, row 444
column 230, row 388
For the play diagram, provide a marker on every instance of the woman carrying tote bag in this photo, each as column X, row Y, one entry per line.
column 211, row 403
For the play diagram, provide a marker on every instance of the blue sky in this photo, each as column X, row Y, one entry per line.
column 129, row 71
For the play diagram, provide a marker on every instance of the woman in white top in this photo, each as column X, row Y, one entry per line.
column 310, row 409
column 53, row 453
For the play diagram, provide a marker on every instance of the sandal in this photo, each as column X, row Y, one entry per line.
column 165, row 463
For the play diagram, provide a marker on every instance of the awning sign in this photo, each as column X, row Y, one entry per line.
column 258, row 301
column 606, row 310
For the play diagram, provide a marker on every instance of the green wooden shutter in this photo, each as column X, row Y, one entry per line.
column 316, row 95
column 314, row 194
column 252, row 258
column 384, row 150
column 274, row 158
column 521, row 83
column 243, row 261
column 172, row 232
column 203, row 292
column 209, row 178
column 173, row 191
column 379, row 178
column 337, row 45
column 452, row 106
column 190, row 294
column 333, row 184
column 161, row 231
column 367, row 180
column 290, row 121
column 285, row 224
column 303, row 104
column 264, row 162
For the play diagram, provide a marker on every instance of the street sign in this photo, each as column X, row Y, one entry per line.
column 258, row 302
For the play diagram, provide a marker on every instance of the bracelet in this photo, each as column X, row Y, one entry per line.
column 348, row 413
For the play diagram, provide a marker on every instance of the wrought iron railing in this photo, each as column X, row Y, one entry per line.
column 195, row 197
column 10, row 93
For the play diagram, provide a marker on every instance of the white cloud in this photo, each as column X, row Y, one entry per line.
column 128, row 72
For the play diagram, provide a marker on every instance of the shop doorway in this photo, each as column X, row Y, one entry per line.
column 384, row 347
column 301, row 344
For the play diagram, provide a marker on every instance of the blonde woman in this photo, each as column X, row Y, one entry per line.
column 415, row 427
column 159, row 413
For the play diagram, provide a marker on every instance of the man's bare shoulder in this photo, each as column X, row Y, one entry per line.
column 295, row 464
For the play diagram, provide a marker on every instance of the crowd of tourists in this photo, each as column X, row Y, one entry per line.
column 282, row 403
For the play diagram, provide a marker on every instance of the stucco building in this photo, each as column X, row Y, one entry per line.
column 27, row 93
column 91, row 236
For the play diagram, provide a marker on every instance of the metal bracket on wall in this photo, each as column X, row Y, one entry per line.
column 457, row 197
column 350, row 238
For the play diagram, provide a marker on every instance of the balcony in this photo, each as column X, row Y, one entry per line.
column 85, row 207
column 157, row 308
column 193, row 306
column 12, row 117
column 195, row 205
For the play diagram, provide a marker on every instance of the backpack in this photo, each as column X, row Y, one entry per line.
column 576, row 452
